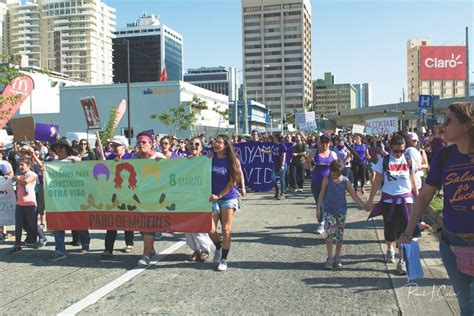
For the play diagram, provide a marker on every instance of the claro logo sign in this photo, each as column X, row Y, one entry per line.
column 443, row 63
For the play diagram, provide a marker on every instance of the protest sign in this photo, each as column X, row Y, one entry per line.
column 122, row 107
column 91, row 113
column 23, row 128
column 381, row 126
column 46, row 132
column 7, row 202
column 14, row 95
column 137, row 195
column 257, row 166
column 358, row 129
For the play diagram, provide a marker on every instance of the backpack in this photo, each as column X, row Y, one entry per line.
column 386, row 160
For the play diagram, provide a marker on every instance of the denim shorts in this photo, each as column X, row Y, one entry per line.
column 229, row 203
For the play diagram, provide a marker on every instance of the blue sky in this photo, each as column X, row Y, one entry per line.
column 357, row 40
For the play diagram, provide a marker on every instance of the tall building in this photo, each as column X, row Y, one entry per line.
column 3, row 28
column 444, row 87
column 153, row 46
column 329, row 97
column 221, row 80
column 277, row 53
column 363, row 95
column 73, row 37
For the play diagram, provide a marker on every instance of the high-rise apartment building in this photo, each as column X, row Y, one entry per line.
column 444, row 88
column 363, row 95
column 73, row 37
column 153, row 46
column 329, row 97
column 221, row 80
column 277, row 53
column 3, row 29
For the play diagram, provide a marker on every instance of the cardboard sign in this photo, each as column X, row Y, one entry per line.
column 91, row 114
column 14, row 95
column 381, row 126
column 23, row 129
column 7, row 202
column 358, row 129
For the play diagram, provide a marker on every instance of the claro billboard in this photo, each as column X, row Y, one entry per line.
column 443, row 63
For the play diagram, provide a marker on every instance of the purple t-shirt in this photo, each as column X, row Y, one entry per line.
column 360, row 150
column 457, row 177
column 277, row 153
column 126, row 156
column 321, row 168
column 221, row 176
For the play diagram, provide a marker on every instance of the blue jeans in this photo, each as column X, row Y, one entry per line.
column 316, row 190
column 463, row 284
column 60, row 235
column 347, row 172
column 25, row 217
column 278, row 173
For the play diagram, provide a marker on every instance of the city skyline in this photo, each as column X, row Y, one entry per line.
column 358, row 41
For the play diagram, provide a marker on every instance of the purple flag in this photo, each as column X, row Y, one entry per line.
column 46, row 132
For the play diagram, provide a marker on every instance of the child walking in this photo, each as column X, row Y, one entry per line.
column 333, row 198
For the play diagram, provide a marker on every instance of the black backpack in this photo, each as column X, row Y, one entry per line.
column 386, row 160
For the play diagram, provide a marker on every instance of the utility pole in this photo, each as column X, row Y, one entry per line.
column 128, row 95
column 246, row 111
column 468, row 88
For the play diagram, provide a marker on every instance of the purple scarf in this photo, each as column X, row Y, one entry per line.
column 377, row 211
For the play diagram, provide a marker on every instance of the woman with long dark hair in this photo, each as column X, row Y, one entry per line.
column 226, row 175
column 453, row 169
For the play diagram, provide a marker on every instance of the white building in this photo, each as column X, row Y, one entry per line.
column 73, row 37
column 221, row 80
column 147, row 98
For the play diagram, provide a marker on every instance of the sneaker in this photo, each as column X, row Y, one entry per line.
column 329, row 263
column 222, row 265
column 281, row 197
column 85, row 250
column 57, row 256
column 217, row 255
column 300, row 190
column 75, row 243
column 390, row 257
column 14, row 250
column 144, row 261
column 107, row 254
column 41, row 244
column 402, row 267
column 337, row 262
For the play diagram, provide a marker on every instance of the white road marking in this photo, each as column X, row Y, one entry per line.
column 106, row 289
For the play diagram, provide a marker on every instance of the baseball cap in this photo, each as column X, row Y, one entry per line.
column 413, row 136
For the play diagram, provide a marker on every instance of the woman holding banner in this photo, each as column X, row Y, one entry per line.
column 200, row 243
column 226, row 175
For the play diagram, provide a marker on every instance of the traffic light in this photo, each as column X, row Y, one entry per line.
column 339, row 114
column 385, row 112
column 403, row 113
column 321, row 116
column 270, row 113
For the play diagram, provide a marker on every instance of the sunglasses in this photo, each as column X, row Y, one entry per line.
column 401, row 151
column 162, row 144
column 181, row 142
column 82, row 144
column 195, row 144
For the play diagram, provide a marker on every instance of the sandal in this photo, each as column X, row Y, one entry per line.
column 128, row 249
column 203, row 257
column 195, row 256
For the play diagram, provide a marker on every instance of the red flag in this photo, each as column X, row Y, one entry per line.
column 21, row 88
column 164, row 75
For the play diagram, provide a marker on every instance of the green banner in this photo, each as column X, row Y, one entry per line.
column 174, row 186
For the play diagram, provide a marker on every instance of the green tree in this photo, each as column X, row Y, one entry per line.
column 177, row 119
column 198, row 103
column 109, row 130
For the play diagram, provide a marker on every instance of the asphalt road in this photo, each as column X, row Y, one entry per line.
column 276, row 266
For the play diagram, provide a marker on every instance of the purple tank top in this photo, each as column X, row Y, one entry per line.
column 321, row 169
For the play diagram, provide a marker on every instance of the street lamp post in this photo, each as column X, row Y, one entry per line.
column 128, row 95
